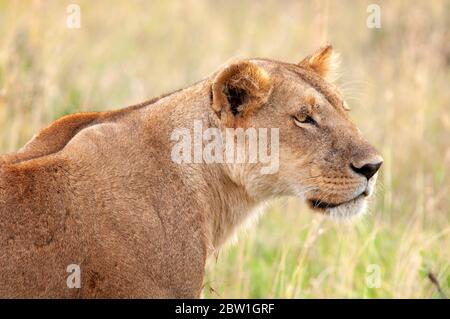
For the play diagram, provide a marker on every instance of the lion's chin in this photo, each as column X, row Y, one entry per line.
column 347, row 210
column 354, row 208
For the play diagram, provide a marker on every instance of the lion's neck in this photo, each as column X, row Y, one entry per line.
column 229, row 207
column 225, row 202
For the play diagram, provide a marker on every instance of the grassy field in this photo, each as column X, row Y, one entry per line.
column 396, row 80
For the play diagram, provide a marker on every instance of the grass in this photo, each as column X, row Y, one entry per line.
column 395, row 79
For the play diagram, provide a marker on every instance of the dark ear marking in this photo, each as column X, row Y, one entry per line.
column 239, row 90
column 236, row 97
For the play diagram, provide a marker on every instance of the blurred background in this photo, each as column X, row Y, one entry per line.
column 395, row 78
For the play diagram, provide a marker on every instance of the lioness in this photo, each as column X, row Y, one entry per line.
column 101, row 191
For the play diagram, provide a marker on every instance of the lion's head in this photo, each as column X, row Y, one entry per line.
column 322, row 154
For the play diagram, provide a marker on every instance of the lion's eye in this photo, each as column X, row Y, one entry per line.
column 304, row 119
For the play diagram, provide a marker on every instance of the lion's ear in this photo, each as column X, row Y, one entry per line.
column 239, row 90
column 324, row 62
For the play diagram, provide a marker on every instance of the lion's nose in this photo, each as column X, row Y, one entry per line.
column 368, row 169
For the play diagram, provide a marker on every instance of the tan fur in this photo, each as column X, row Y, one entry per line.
column 100, row 189
column 324, row 62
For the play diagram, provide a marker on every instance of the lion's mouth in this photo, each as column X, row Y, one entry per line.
column 323, row 206
column 318, row 204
